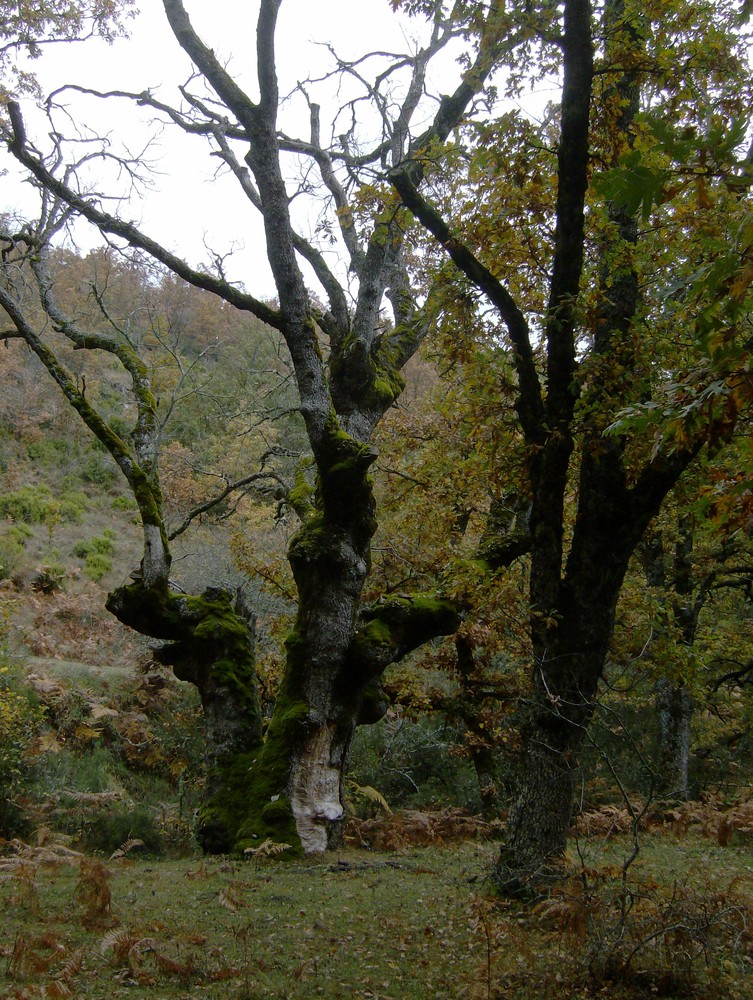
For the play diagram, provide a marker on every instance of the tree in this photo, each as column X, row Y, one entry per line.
column 27, row 28
column 578, row 269
column 700, row 579
column 347, row 364
column 208, row 637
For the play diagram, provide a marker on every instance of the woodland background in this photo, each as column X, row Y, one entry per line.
column 102, row 749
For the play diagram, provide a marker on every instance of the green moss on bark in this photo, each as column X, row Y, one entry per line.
column 252, row 803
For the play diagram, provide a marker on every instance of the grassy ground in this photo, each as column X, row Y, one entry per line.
column 352, row 925
column 420, row 923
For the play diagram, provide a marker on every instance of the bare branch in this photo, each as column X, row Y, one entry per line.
column 231, row 488
column 17, row 144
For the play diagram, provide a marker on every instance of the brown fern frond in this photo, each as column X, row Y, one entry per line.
column 121, row 941
column 564, row 913
column 126, row 848
column 371, row 794
column 73, row 966
column 93, row 889
column 135, row 953
column 171, row 967
column 267, row 849
column 230, row 898
column 17, row 957
column 57, row 988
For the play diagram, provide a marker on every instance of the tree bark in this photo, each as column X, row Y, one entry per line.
column 210, row 645
column 674, row 714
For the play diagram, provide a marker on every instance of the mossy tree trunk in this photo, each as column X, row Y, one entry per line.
column 211, row 645
column 290, row 786
column 335, row 656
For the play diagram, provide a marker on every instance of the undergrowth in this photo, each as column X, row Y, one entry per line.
column 408, row 923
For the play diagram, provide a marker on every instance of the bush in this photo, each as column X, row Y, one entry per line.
column 20, row 533
column 99, row 470
column 50, row 451
column 412, row 764
column 111, row 827
column 73, row 505
column 19, row 722
column 11, row 554
column 124, row 502
column 29, row 504
column 97, row 566
column 49, row 579
column 101, row 546
column 624, row 936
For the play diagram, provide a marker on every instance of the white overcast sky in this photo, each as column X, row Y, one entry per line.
column 189, row 206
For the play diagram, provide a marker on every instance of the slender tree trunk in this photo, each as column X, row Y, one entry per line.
column 483, row 754
column 674, row 712
column 673, row 703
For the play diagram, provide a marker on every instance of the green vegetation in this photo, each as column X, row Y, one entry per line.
column 411, row 923
column 96, row 554
column 525, row 388
column 29, row 504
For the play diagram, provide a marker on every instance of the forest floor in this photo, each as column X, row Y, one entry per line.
column 413, row 923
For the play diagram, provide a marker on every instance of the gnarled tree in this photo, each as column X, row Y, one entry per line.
column 347, row 363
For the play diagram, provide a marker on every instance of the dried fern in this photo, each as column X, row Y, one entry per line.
column 57, row 988
column 121, row 940
column 417, row 829
column 371, row 794
column 230, row 898
column 93, row 889
column 267, row 849
column 125, row 849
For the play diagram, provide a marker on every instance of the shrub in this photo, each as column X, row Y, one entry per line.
column 124, row 502
column 109, row 828
column 49, row 579
column 99, row 545
column 412, row 764
column 73, row 505
column 19, row 722
column 99, row 470
column 11, row 554
column 51, row 451
column 97, row 566
column 20, row 533
column 29, row 504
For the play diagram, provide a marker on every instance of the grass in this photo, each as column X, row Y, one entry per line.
column 353, row 925
column 420, row 923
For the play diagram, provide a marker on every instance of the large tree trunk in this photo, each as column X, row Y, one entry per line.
column 554, row 728
column 291, row 789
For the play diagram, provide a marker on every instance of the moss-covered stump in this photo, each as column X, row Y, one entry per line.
column 212, row 646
